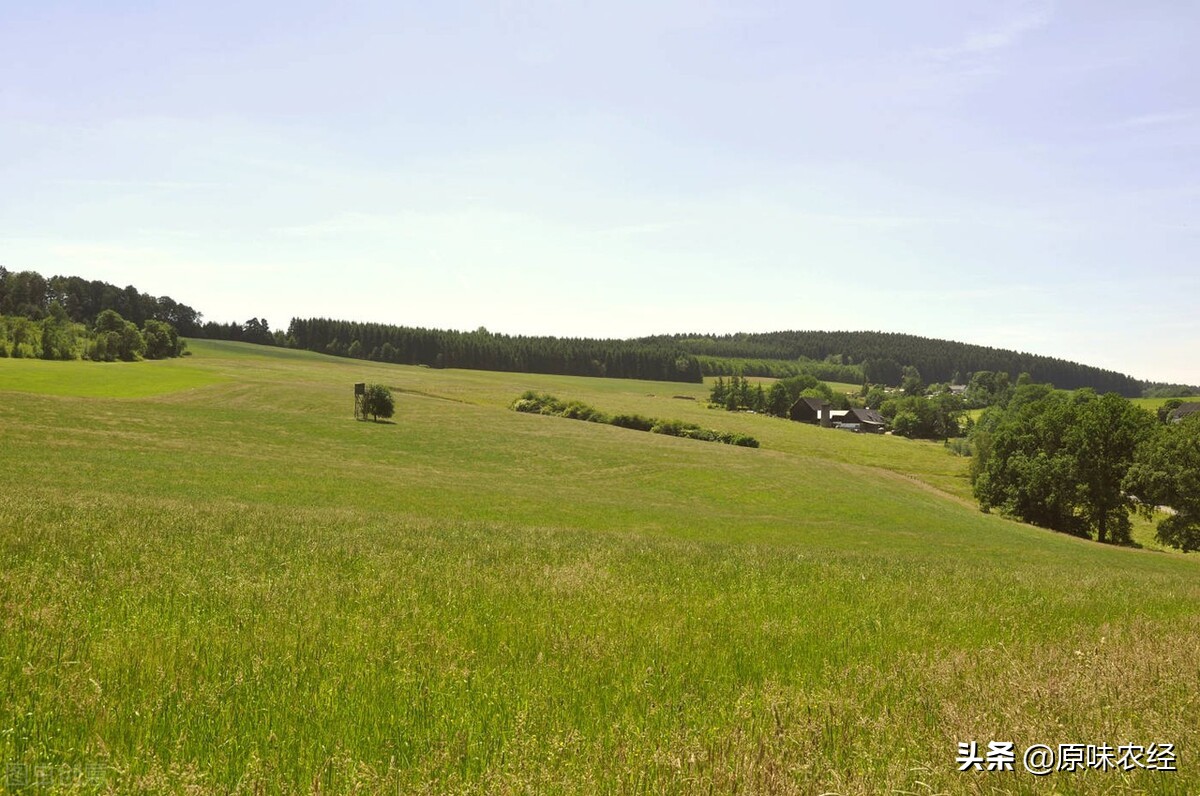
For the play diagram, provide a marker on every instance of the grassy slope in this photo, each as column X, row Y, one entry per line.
column 231, row 584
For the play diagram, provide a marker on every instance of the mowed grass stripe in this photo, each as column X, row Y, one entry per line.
column 101, row 379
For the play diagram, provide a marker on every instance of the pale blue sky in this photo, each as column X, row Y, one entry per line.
column 1023, row 175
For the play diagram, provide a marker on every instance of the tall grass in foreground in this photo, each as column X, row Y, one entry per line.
column 232, row 649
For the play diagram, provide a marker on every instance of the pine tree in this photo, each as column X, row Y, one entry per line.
column 719, row 390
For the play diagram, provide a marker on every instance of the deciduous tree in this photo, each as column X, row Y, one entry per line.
column 378, row 402
column 116, row 338
column 1166, row 472
column 1058, row 460
column 162, row 340
column 1103, row 440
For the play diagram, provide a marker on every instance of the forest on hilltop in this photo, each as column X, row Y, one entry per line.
column 875, row 357
column 882, row 357
column 484, row 350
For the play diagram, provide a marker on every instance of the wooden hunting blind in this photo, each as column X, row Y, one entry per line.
column 360, row 393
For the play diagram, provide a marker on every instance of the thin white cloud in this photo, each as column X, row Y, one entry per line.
column 166, row 185
column 1022, row 292
column 105, row 253
column 883, row 222
column 342, row 224
column 1001, row 36
column 1156, row 119
column 648, row 228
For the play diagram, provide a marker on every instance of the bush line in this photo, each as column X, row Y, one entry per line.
column 543, row 404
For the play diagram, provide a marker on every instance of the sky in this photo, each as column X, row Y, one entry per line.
column 1021, row 175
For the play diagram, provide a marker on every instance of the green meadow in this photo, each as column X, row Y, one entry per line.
column 1152, row 404
column 214, row 580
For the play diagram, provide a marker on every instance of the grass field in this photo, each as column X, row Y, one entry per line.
column 1152, row 404
column 836, row 386
column 214, row 580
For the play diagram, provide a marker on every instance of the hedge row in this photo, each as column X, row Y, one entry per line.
column 543, row 404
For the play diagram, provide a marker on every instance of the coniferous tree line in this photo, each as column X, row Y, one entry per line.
column 739, row 394
column 883, row 356
column 826, row 370
column 483, row 350
column 255, row 330
column 1160, row 389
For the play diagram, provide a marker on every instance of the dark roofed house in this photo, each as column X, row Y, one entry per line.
column 810, row 410
column 1183, row 410
column 869, row 420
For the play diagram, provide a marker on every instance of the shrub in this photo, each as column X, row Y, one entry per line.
column 672, row 428
column 105, row 347
column 636, row 422
column 378, row 402
column 538, row 403
column 581, row 411
column 959, row 446
column 162, row 340
column 906, row 424
column 541, row 403
column 116, row 338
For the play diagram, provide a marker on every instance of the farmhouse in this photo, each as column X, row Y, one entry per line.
column 1183, row 410
column 868, row 420
column 811, row 410
column 819, row 411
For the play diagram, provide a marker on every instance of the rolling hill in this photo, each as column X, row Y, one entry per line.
column 215, row 580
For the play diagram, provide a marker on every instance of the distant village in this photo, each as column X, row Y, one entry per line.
column 818, row 411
